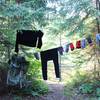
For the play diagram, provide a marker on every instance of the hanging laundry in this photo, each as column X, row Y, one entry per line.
column 29, row 38
column 98, row 39
column 47, row 55
column 89, row 40
column 71, row 46
column 64, row 47
column 83, row 43
column 60, row 50
column 67, row 47
column 36, row 55
column 78, row 44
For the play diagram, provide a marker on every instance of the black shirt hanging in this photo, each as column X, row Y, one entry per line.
column 30, row 38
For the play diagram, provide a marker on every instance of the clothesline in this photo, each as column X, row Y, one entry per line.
column 79, row 44
column 50, row 54
column 31, row 37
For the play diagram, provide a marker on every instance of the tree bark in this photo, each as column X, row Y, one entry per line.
column 97, row 19
column 18, row 1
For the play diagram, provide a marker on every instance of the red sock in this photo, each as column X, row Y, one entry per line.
column 71, row 46
column 78, row 44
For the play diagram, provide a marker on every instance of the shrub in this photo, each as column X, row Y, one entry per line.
column 34, row 69
column 83, row 83
column 86, row 88
column 37, row 88
column 75, row 82
column 98, row 92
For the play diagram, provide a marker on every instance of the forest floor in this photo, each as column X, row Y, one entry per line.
column 56, row 92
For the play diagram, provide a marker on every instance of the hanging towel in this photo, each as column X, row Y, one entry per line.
column 98, row 39
column 83, row 43
column 71, row 46
column 89, row 40
column 78, row 44
column 47, row 55
column 29, row 38
column 60, row 50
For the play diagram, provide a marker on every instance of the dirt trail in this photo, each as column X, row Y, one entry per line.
column 56, row 92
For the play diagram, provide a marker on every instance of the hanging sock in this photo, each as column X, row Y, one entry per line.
column 60, row 50
column 67, row 47
column 83, row 43
column 89, row 40
column 78, row 44
column 71, row 46
column 98, row 39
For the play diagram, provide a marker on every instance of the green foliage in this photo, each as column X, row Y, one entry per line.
column 34, row 69
column 69, row 90
column 8, row 35
column 91, row 88
column 26, row 91
column 40, row 87
column 86, row 88
column 81, row 82
column 17, row 98
column 37, row 88
column 71, row 16
column 98, row 92
column 78, row 78
column 27, row 15
column 78, row 16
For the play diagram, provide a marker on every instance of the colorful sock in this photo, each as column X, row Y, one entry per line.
column 83, row 43
column 67, row 48
column 98, row 39
column 71, row 46
column 89, row 40
column 78, row 44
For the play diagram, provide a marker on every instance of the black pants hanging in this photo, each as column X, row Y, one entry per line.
column 47, row 55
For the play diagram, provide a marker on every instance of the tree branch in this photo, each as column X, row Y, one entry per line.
column 81, row 21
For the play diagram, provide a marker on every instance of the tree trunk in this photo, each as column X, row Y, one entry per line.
column 17, row 1
column 98, row 8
